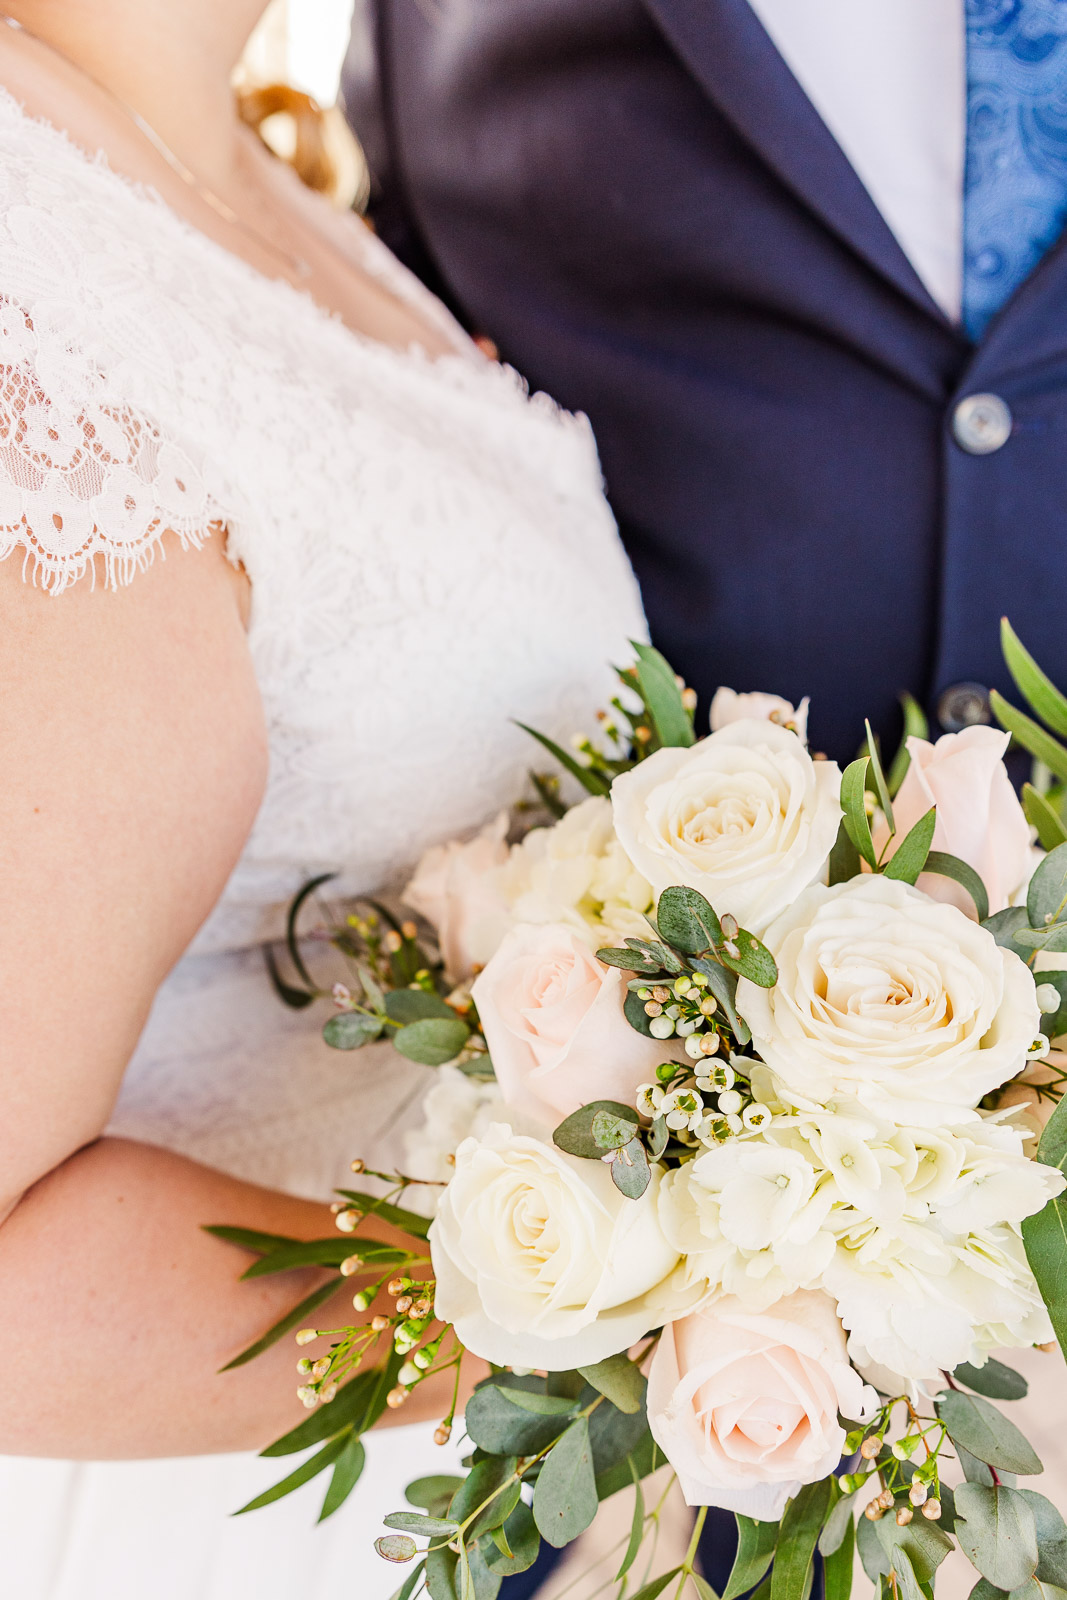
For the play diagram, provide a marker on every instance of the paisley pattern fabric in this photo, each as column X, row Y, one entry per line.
column 1015, row 198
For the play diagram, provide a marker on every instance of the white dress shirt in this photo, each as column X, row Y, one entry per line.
column 888, row 77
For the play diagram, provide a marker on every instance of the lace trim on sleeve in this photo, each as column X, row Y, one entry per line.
column 82, row 475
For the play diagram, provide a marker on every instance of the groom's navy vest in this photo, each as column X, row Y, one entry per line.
column 636, row 200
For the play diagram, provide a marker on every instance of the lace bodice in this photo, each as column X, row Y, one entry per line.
column 429, row 550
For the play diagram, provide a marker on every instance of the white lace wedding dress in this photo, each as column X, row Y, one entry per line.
column 430, row 555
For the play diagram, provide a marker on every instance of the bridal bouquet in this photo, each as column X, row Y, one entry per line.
column 736, row 1158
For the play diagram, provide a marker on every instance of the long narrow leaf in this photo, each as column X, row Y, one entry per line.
column 303, row 1474
column 292, row 1319
column 347, row 1410
column 1036, row 688
column 857, row 823
column 407, row 1221
column 915, row 727
column 291, row 940
column 755, row 1551
column 249, row 1238
column 1045, row 1235
column 305, row 1253
column 800, row 1529
column 881, row 789
column 910, row 856
column 637, row 1532
column 947, row 866
column 661, row 694
column 838, row 1567
column 295, row 999
column 1044, row 817
column 588, row 780
column 346, row 1475
column 1030, row 735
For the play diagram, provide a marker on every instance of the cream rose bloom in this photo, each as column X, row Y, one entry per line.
column 577, row 872
column 745, row 816
column 541, row 1262
column 979, row 817
column 745, row 1405
column 552, row 1015
column 728, row 706
column 456, row 888
column 890, row 997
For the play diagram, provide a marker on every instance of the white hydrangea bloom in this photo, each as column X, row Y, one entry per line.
column 455, row 1108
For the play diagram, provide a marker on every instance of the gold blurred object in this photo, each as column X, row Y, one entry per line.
column 318, row 144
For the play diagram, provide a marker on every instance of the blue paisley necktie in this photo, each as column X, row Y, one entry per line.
column 1015, row 187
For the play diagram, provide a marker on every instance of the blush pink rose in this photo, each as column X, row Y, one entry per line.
column 456, row 887
column 979, row 818
column 553, row 1020
column 745, row 1404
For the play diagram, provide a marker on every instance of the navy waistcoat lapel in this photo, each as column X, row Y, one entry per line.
column 730, row 53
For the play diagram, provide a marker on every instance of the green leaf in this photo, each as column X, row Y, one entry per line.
column 1051, row 1538
column 1035, row 1589
column 630, row 1171
column 909, row 858
column 441, row 1564
column 637, row 1533
column 633, row 1009
column 303, row 1474
column 565, row 1498
column 346, row 1475
column 1037, row 689
column 1005, row 925
column 853, row 804
column 487, row 1487
column 351, row 1030
column 628, row 959
column 296, row 999
column 924, row 1543
column 413, row 1005
column 433, row 1041
column 838, row 1564
column 659, row 1137
column 480, row 1581
column 948, row 866
column 589, row 780
column 422, row 1527
column 753, row 960
column 661, row 694
column 657, row 1586
column 548, row 794
column 360, row 1402
column 432, row 1492
column 575, row 1133
column 1044, row 817
column 881, row 788
column 292, row 1319
column 249, row 1238
column 619, row 1381
column 396, row 1547
column 981, row 1429
column 723, row 986
column 611, row 1132
column 836, row 1523
column 915, row 727
column 686, row 920
column 410, row 1583
column 1046, row 898
column 406, row 1221
column 1030, row 735
column 522, row 1539
column 1045, row 1235
column 499, row 1425
column 643, row 1458
column 1052, row 939
column 313, row 1253
column 844, row 858
column 543, row 1405
column 994, row 1380
column 702, row 1587
column 997, row 1533
column 800, row 1527
column 755, row 1552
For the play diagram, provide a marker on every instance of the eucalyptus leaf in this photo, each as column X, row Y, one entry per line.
column 633, row 1008
column 643, row 1458
column 412, row 1005
column 1036, row 688
column 611, row 1131
column 686, row 920
column 432, row 1041
column 755, row 1552
column 499, row 1425
column 542, row 1405
column 1051, row 1538
column 1045, row 1234
column 663, row 698
column 924, row 1543
column 432, row 1492
column 753, row 960
column 630, row 1171
column 975, row 1471
column 1004, row 925
column 997, row 1533
column 854, row 806
column 441, row 1564
column 1046, row 898
column 994, row 1380
column 658, row 1137
column 487, row 1491
column 523, row 1541
column 351, row 1030
column 565, row 1498
column 986, row 1433
column 949, row 866
column 619, row 1380
column 480, row 1581
column 1030, row 735
column 575, row 1133
column 617, row 1437
column 1044, row 817
column 1053, row 939
column 723, row 986
column 423, row 1527
column 628, row 959
column 909, row 858
column 800, row 1529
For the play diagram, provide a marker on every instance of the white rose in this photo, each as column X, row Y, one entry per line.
column 748, row 1219
column 745, row 816
column 552, row 1015
column 745, row 1405
column 889, row 997
column 577, row 872
column 728, row 706
column 455, row 1107
column 456, row 887
column 541, row 1262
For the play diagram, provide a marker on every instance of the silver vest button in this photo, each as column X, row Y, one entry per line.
column 981, row 424
column 963, row 705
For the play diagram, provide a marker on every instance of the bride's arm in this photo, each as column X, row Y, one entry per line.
column 131, row 764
